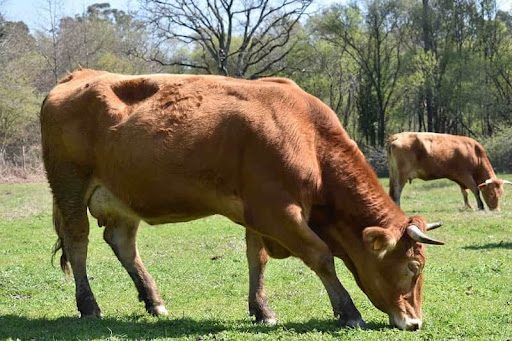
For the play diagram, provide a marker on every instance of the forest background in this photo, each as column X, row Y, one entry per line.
column 383, row 66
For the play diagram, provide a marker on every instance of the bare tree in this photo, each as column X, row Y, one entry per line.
column 3, row 31
column 245, row 38
column 50, row 51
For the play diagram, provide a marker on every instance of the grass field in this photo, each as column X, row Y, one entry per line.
column 201, row 270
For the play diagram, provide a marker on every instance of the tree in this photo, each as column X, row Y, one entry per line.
column 101, row 38
column 326, row 71
column 50, row 49
column 374, row 40
column 19, row 100
column 240, row 38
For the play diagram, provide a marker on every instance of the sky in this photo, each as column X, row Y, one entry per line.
column 33, row 14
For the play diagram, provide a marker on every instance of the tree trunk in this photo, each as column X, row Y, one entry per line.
column 429, row 49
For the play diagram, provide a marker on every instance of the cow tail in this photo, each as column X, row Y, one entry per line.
column 389, row 157
column 58, row 222
column 59, row 244
column 391, row 168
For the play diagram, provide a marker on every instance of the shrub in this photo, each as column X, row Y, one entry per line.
column 499, row 149
column 377, row 158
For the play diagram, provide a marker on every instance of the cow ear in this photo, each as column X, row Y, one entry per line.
column 378, row 240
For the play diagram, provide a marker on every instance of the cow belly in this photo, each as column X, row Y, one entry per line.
column 109, row 210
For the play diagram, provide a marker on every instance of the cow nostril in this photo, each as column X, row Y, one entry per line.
column 405, row 323
column 414, row 326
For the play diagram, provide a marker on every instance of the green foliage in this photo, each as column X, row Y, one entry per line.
column 18, row 106
column 441, row 66
column 322, row 69
column 499, row 150
column 115, row 63
column 19, row 99
column 201, row 270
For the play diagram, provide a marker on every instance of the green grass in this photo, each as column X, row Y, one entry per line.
column 468, row 290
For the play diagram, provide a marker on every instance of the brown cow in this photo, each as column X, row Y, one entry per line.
column 265, row 154
column 431, row 156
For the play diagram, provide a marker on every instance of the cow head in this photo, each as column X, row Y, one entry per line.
column 391, row 271
column 492, row 190
column 388, row 267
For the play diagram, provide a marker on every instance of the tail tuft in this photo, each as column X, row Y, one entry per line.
column 59, row 244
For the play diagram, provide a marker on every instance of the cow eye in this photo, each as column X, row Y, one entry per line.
column 414, row 267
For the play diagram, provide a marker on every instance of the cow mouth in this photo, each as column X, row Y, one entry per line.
column 404, row 322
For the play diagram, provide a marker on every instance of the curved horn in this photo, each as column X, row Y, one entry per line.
column 433, row 226
column 485, row 183
column 507, row 182
column 415, row 233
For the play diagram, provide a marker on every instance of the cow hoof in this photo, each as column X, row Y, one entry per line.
column 264, row 316
column 270, row 321
column 159, row 310
column 95, row 315
column 90, row 310
column 353, row 323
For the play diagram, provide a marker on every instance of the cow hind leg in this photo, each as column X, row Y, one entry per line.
column 395, row 180
column 121, row 226
column 396, row 185
column 464, row 192
column 257, row 258
column 121, row 236
column 288, row 226
column 68, row 184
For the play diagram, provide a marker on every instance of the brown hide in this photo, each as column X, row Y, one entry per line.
column 267, row 155
column 430, row 156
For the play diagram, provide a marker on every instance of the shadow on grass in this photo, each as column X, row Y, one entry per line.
column 499, row 245
column 427, row 211
column 325, row 326
column 19, row 327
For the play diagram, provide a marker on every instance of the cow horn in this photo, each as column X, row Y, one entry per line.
column 507, row 182
column 485, row 183
column 432, row 226
column 415, row 233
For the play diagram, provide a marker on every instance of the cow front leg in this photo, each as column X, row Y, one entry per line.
column 343, row 306
column 257, row 258
column 288, row 226
column 479, row 201
column 476, row 193
column 121, row 236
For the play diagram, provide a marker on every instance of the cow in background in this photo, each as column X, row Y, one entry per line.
column 430, row 156
column 264, row 153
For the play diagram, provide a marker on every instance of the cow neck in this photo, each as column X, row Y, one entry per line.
column 485, row 171
column 352, row 188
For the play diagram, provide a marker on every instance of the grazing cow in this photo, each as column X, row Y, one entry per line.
column 431, row 156
column 264, row 153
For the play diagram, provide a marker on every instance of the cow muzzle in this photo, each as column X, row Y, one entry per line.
column 405, row 323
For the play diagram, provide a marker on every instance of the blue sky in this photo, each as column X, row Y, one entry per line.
column 33, row 14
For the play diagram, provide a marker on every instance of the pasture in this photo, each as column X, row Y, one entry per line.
column 201, row 271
